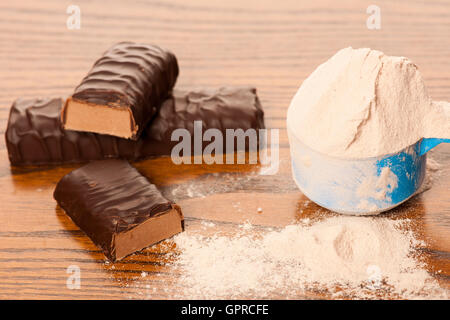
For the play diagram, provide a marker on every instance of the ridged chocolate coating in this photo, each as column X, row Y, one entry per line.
column 108, row 197
column 223, row 108
column 34, row 135
column 131, row 76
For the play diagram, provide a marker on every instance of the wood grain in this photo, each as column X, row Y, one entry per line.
column 272, row 45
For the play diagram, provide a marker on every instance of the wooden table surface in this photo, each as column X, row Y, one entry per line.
column 272, row 45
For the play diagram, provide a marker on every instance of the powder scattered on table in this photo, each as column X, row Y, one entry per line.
column 344, row 257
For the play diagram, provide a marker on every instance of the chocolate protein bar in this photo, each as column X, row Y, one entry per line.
column 122, row 91
column 224, row 108
column 117, row 207
column 34, row 135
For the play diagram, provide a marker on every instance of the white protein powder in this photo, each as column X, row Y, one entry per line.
column 348, row 257
column 363, row 103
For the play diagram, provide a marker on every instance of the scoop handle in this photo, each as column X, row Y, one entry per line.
column 438, row 131
column 429, row 143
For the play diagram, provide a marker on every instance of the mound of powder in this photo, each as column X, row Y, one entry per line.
column 363, row 103
column 343, row 257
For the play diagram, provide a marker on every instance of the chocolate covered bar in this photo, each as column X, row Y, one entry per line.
column 117, row 207
column 221, row 109
column 34, row 135
column 122, row 91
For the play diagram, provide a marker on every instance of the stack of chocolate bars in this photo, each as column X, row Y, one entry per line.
column 124, row 109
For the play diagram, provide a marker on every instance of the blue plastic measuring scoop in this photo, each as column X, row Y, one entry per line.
column 360, row 186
